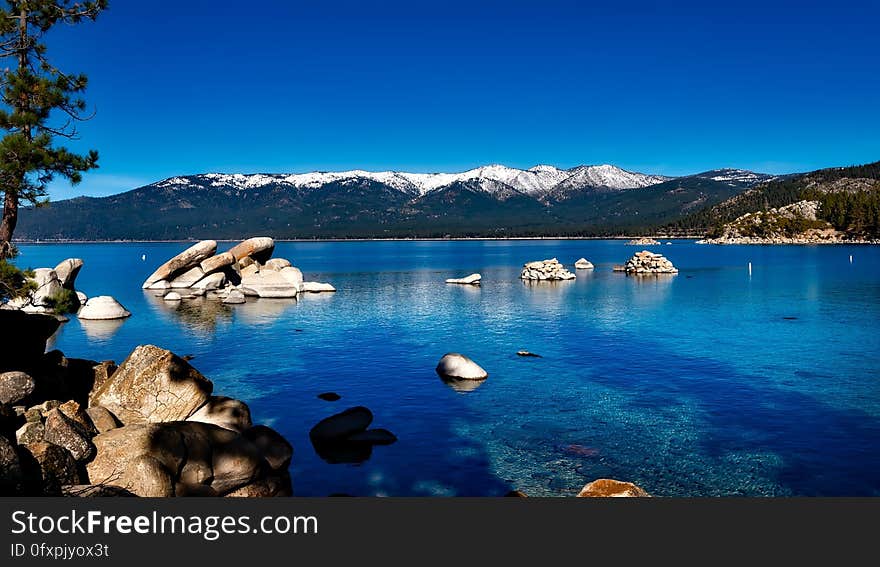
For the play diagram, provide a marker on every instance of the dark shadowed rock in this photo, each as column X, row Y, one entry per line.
column 11, row 475
column 275, row 448
column 607, row 487
column 153, row 385
column 101, row 372
column 516, row 494
column 227, row 413
column 64, row 432
column 273, row 485
column 53, row 467
column 15, row 386
column 342, row 425
column 374, row 437
column 329, row 396
column 24, row 338
column 75, row 411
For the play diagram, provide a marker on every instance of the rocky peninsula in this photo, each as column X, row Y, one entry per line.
column 151, row 426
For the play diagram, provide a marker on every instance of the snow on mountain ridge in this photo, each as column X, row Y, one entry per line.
column 537, row 181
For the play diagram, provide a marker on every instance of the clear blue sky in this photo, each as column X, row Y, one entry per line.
column 185, row 87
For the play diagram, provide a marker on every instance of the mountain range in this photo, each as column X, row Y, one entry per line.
column 492, row 200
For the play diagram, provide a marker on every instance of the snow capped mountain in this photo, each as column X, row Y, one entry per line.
column 538, row 181
column 736, row 177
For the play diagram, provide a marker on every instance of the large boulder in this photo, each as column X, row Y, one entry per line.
column 15, row 386
column 39, row 300
column 234, row 297
column 459, row 367
column 276, row 449
column 277, row 264
column 211, row 282
column 67, row 271
column 607, row 487
column 227, row 413
column 24, row 338
column 293, row 275
column 190, row 257
column 153, row 385
column 64, row 432
column 103, row 307
column 259, row 248
column 583, row 264
column 187, row 278
column 269, row 284
column 218, row 262
column 176, row 458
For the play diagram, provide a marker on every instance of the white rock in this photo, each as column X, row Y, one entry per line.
column 188, row 278
column 67, row 270
column 277, row 264
column 269, row 283
column 190, row 257
column 292, row 275
column 473, row 279
column 82, row 297
column 458, row 366
column 583, row 264
column 172, row 296
column 316, row 287
column 234, row 297
column 211, row 281
column 103, row 307
column 161, row 284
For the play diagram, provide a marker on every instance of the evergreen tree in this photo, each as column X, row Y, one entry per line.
column 40, row 104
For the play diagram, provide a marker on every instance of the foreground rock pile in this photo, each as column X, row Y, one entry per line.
column 646, row 262
column 149, row 427
column 245, row 270
column 546, row 270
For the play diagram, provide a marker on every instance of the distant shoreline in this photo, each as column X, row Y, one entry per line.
column 425, row 239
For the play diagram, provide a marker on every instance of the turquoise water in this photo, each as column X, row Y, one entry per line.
column 711, row 382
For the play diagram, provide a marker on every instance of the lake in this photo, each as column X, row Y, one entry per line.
column 713, row 382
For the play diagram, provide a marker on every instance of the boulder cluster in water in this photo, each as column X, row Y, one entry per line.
column 646, row 262
column 52, row 285
column 643, row 241
column 546, row 270
column 245, row 270
column 149, row 427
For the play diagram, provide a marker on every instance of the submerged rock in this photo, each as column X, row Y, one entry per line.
column 329, row 396
column 103, row 307
column 458, row 366
column 527, row 353
column 607, row 487
column 342, row 425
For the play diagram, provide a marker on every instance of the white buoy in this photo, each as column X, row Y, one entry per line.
column 143, row 257
column 850, row 258
column 750, row 269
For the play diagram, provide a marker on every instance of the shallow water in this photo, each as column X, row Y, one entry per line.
column 711, row 382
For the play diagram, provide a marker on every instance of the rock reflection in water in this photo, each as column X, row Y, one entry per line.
column 198, row 314
column 262, row 311
column 101, row 329
column 462, row 386
column 341, row 452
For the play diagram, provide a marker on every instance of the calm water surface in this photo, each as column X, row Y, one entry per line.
column 711, row 382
